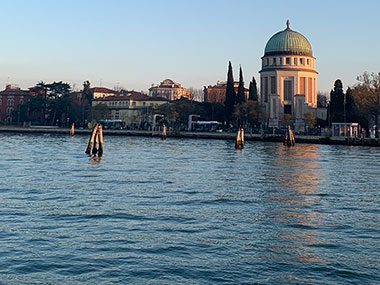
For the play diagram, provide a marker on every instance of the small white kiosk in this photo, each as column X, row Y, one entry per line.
column 351, row 130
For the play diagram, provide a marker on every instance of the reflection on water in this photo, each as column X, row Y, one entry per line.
column 294, row 204
column 187, row 211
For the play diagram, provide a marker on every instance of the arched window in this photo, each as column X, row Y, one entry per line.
column 9, row 111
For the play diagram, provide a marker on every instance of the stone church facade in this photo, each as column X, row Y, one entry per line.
column 288, row 79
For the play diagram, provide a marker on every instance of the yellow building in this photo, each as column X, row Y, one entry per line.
column 101, row 92
column 131, row 108
column 288, row 78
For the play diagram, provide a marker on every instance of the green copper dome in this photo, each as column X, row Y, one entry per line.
column 288, row 42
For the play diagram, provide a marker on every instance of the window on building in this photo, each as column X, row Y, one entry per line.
column 21, row 102
column 310, row 90
column 308, row 61
column 280, row 60
column 288, row 109
column 288, row 90
column 273, row 85
column 9, row 111
column 266, row 89
column 288, row 60
column 274, row 61
column 302, row 85
column 1, row 101
column 133, row 103
column 302, row 61
column 267, row 61
column 295, row 61
column 144, row 103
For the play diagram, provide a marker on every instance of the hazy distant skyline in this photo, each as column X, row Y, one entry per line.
column 133, row 44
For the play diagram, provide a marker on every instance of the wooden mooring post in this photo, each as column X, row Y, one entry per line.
column 100, row 130
column 72, row 129
column 289, row 138
column 239, row 144
column 91, row 141
column 163, row 132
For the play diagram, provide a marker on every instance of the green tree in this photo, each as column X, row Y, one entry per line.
column 99, row 112
column 87, row 92
column 310, row 119
column 337, row 102
column 58, row 100
column 249, row 112
column 253, row 90
column 86, row 100
column 230, row 95
column 240, row 98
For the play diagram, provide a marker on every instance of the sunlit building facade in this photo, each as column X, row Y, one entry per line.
column 288, row 78
column 217, row 93
column 169, row 90
column 131, row 108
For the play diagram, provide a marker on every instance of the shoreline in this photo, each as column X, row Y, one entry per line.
column 194, row 135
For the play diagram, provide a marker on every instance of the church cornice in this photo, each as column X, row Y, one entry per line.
column 288, row 69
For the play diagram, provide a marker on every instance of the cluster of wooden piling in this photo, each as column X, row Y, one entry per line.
column 163, row 136
column 96, row 140
column 239, row 144
column 289, row 137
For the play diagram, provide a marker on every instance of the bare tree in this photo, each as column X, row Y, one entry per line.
column 196, row 94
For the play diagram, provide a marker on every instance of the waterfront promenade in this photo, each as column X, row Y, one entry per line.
column 195, row 135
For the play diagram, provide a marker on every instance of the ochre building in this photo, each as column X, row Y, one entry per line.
column 217, row 93
column 288, row 78
column 169, row 90
column 131, row 108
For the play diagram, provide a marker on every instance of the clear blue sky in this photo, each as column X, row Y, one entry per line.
column 134, row 43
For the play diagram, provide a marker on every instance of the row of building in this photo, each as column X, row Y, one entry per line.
column 122, row 103
column 288, row 85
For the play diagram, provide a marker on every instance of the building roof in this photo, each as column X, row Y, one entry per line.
column 14, row 91
column 102, row 90
column 133, row 96
column 288, row 42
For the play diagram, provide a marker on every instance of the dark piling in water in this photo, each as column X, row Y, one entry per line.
column 289, row 138
column 94, row 130
column 96, row 138
column 239, row 143
column 163, row 136
column 72, row 129
column 100, row 131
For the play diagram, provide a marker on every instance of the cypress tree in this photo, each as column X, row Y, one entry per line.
column 230, row 95
column 253, row 90
column 337, row 102
column 240, row 94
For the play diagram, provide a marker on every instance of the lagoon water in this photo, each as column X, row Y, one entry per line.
column 185, row 211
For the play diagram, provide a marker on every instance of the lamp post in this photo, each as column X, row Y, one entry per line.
column 344, row 115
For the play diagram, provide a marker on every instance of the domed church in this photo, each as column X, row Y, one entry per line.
column 288, row 78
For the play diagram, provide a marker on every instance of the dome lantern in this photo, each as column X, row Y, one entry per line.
column 288, row 42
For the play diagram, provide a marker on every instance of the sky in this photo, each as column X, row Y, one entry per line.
column 134, row 44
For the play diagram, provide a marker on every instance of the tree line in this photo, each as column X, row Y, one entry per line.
column 54, row 103
column 359, row 104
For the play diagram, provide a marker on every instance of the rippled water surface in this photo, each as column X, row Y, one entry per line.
column 187, row 211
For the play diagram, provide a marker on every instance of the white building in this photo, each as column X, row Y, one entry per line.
column 288, row 78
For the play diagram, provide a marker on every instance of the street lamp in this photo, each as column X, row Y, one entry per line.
column 344, row 115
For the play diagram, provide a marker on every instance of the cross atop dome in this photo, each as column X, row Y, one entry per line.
column 288, row 25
